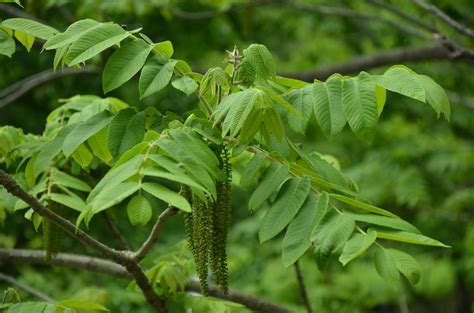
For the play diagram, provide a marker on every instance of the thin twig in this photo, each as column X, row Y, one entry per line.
column 38, row 294
column 68, row 260
column 12, row 187
column 302, row 288
column 18, row 89
column 98, row 265
column 109, row 220
column 413, row 20
column 250, row 301
column 394, row 56
column 462, row 29
column 155, row 233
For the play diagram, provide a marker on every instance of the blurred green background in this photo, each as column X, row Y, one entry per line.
column 419, row 167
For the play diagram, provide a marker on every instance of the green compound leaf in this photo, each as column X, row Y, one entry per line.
column 289, row 200
column 124, row 64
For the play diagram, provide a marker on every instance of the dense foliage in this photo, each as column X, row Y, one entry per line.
column 244, row 127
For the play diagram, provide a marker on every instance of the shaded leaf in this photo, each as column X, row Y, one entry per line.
column 124, row 64
column 287, row 204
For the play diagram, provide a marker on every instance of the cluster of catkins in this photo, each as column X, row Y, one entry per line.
column 52, row 234
column 207, row 227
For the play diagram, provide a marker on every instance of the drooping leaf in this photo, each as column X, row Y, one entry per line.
column 289, row 200
column 25, row 39
column 327, row 102
column 302, row 101
column 30, row 27
column 117, row 175
column 407, row 237
column 435, row 96
column 82, row 156
column 164, row 48
column 50, row 150
column 66, row 180
column 406, row 264
column 261, row 60
column 381, row 94
column 124, row 64
column 7, row 44
column 402, row 80
column 99, row 145
column 139, row 210
column 171, row 170
column 94, row 41
column 251, row 170
column 333, row 237
column 362, row 205
column 359, row 104
column 113, row 196
column 73, row 202
column 126, row 130
column 357, row 245
column 169, row 196
column 390, row 222
column 387, row 267
column 185, row 84
column 84, row 131
column 275, row 175
column 155, row 76
column 200, row 162
column 205, row 128
column 297, row 238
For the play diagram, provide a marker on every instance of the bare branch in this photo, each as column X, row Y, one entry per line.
column 460, row 28
column 12, row 187
column 109, row 220
column 318, row 9
column 336, row 11
column 155, row 232
column 413, row 20
column 18, row 89
column 121, row 257
column 302, row 288
column 109, row 268
column 399, row 55
column 251, row 302
column 38, row 294
column 64, row 260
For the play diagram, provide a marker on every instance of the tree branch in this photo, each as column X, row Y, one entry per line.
column 109, row 268
column 403, row 15
column 12, row 187
column 109, row 220
column 18, row 89
column 319, row 9
column 460, row 28
column 155, row 232
column 121, row 257
column 302, row 288
column 38, row 294
column 68, row 260
column 399, row 55
column 251, row 302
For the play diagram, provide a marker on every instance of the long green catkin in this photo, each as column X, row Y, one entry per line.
column 52, row 234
